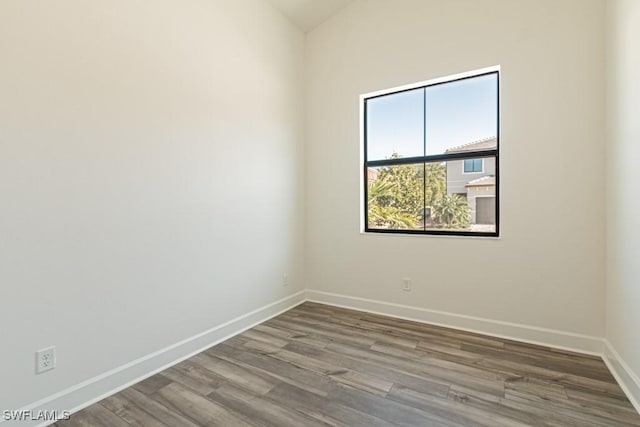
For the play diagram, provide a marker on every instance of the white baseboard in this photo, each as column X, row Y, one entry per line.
column 529, row 334
column 628, row 380
column 95, row 389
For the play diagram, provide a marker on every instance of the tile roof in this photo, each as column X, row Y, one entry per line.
column 481, row 182
column 482, row 144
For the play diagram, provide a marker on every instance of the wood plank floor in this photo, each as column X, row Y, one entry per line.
column 317, row 365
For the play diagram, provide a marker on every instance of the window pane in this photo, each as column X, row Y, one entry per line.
column 462, row 115
column 395, row 125
column 468, row 166
column 473, row 166
column 458, row 201
column 396, row 197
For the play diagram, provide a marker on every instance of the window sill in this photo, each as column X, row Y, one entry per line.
column 423, row 235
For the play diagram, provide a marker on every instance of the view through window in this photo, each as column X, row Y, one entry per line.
column 431, row 158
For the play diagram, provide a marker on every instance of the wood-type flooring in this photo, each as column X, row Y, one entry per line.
column 318, row 365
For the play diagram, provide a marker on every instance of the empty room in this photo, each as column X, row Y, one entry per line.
column 319, row 213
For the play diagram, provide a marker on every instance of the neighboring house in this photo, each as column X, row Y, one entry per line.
column 474, row 179
column 372, row 175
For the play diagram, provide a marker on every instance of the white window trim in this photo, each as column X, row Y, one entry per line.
column 361, row 102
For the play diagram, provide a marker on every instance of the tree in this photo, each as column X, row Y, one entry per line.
column 451, row 212
column 394, row 200
column 390, row 217
column 400, row 195
column 436, row 183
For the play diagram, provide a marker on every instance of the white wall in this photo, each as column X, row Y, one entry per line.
column 150, row 177
column 151, row 170
column 547, row 269
column 623, row 176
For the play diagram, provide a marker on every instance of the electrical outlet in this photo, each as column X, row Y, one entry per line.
column 45, row 359
column 285, row 280
column 406, row 284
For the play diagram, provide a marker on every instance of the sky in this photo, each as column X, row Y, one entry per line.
column 456, row 113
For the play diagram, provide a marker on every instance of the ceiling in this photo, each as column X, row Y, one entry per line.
column 307, row 14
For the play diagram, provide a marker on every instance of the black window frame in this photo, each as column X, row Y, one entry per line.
column 445, row 157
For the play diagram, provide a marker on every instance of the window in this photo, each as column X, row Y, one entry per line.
column 431, row 157
column 473, row 166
